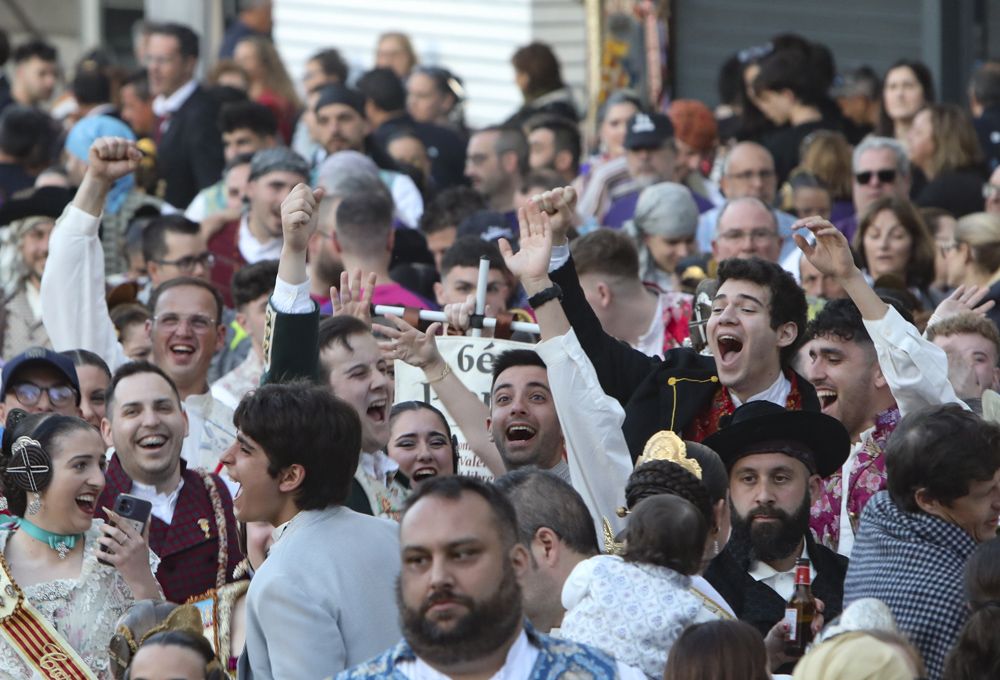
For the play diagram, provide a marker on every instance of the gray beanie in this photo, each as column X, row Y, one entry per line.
column 278, row 159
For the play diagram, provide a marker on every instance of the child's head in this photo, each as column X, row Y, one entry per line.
column 666, row 531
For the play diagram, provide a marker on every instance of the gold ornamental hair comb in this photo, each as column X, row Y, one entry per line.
column 666, row 445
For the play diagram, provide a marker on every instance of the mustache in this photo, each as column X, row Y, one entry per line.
column 772, row 513
column 439, row 596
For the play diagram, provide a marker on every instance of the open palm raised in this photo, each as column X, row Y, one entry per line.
column 531, row 261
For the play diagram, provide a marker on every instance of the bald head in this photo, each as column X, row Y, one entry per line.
column 746, row 228
column 749, row 171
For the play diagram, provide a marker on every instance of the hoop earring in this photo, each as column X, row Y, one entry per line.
column 35, row 505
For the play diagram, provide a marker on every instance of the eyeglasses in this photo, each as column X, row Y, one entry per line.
column 199, row 322
column 187, row 264
column 754, row 235
column 990, row 190
column 59, row 395
column 884, row 176
column 747, row 175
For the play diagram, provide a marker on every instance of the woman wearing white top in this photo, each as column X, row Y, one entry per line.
column 52, row 472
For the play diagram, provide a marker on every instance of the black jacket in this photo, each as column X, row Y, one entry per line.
column 657, row 394
column 445, row 148
column 757, row 603
column 189, row 154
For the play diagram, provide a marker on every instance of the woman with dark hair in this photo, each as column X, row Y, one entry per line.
column 539, row 77
column 435, row 95
column 420, row 440
column 635, row 606
column 943, row 144
column 77, row 575
column 977, row 653
column 176, row 654
column 906, row 88
column 787, row 92
column 94, row 376
column 892, row 240
column 718, row 650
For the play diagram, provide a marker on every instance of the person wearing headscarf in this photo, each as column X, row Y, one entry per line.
column 664, row 227
column 124, row 199
column 859, row 655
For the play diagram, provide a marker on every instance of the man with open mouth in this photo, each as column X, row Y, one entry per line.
column 758, row 316
column 348, row 361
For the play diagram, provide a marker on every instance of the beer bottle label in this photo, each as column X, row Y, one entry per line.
column 792, row 619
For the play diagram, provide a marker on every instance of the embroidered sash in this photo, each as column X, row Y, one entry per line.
column 35, row 640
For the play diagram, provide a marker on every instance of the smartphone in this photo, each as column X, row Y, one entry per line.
column 133, row 510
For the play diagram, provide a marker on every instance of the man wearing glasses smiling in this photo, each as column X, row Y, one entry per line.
column 40, row 381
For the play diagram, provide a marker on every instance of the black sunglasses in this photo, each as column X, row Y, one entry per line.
column 884, row 176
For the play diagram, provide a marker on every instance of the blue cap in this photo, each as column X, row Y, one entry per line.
column 40, row 356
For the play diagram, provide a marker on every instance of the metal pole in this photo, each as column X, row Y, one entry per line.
column 427, row 315
column 484, row 273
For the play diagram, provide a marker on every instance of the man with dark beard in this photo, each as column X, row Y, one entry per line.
column 776, row 460
column 460, row 600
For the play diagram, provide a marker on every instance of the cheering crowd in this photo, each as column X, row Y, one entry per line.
column 765, row 356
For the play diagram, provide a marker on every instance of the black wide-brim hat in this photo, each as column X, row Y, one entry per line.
column 819, row 441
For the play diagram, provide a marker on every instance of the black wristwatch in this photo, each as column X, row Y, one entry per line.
column 553, row 292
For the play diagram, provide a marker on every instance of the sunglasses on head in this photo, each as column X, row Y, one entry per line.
column 884, row 176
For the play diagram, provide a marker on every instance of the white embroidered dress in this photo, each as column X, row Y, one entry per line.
column 83, row 610
column 632, row 611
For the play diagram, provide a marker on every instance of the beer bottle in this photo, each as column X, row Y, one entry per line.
column 799, row 612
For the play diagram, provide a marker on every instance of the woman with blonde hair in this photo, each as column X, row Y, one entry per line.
column 943, row 144
column 394, row 50
column 972, row 258
column 270, row 84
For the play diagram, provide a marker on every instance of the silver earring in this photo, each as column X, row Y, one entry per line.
column 35, row 505
column 3, row 504
column 716, row 546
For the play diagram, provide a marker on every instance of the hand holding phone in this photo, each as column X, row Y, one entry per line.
column 129, row 518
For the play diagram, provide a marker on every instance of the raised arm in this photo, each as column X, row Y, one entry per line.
column 291, row 339
column 915, row 368
column 408, row 344
column 619, row 367
column 74, row 308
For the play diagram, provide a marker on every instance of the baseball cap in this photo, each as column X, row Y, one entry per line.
column 648, row 131
column 40, row 356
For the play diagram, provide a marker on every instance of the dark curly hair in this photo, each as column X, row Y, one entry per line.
column 666, row 531
column 45, row 428
column 661, row 477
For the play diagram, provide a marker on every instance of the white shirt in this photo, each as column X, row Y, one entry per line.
column 253, row 250
column 378, row 466
column 164, row 504
column 777, row 393
column 650, row 343
column 781, row 582
column 163, row 106
column 521, row 659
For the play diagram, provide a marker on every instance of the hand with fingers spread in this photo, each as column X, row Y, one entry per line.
column 531, row 262
column 963, row 299
column 351, row 299
column 111, row 158
column 560, row 205
column 831, row 254
column 298, row 212
column 408, row 344
column 128, row 552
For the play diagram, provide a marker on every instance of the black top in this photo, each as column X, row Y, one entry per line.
column 189, row 154
column 445, row 148
column 960, row 192
column 988, row 131
column 784, row 143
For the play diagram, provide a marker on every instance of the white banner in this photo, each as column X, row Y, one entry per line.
column 471, row 359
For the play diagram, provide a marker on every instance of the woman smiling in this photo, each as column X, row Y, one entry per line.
column 55, row 585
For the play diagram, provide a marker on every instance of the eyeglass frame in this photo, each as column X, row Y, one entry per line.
column 73, row 394
column 990, row 190
column 193, row 320
column 206, row 259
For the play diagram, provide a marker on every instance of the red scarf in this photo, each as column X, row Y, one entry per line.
column 706, row 423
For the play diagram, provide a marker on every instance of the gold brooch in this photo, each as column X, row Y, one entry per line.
column 666, row 445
